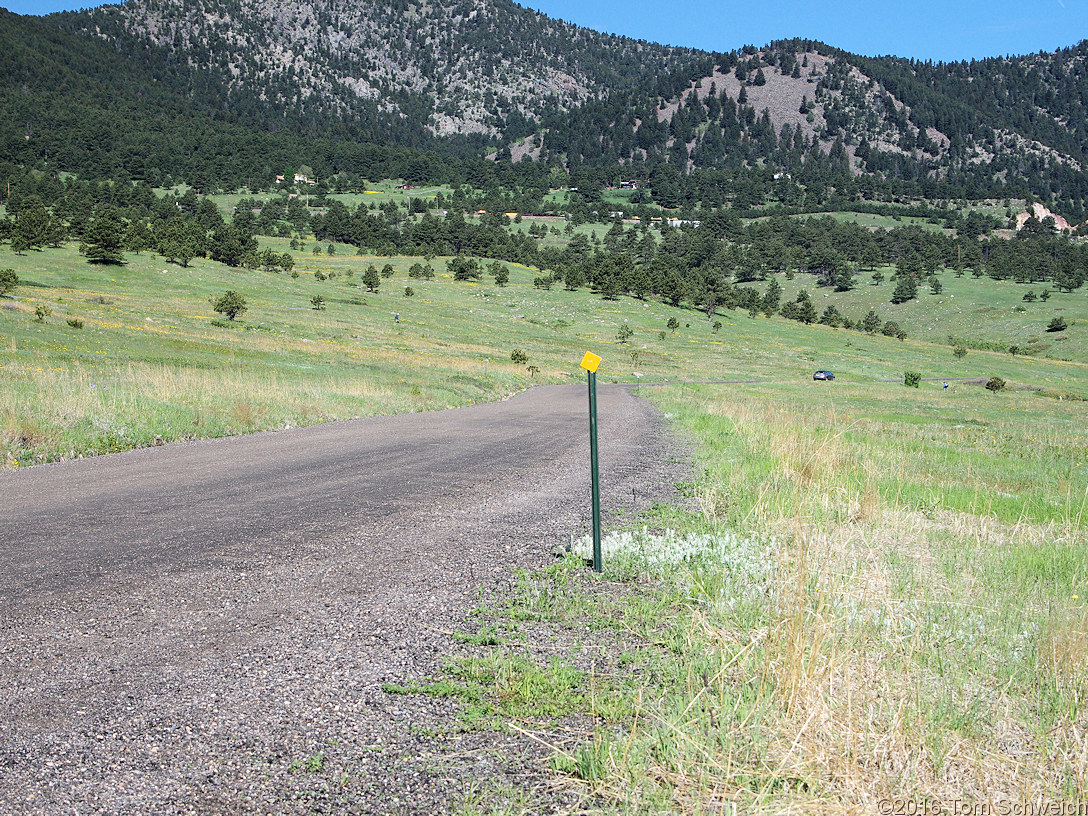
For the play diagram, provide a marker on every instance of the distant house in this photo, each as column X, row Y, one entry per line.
column 404, row 187
column 682, row 222
column 300, row 178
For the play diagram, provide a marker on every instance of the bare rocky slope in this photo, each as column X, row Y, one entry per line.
column 474, row 66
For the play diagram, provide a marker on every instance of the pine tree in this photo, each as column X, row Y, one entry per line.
column 181, row 241
column 871, row 322
column 806, row 312
column 372, row 278
column 138, row 237
column 32, row 227
column 105, row 239
column 905, row 289
column 771, row 298
column 8, row 281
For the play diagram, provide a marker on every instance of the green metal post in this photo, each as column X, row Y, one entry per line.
column 594, row 472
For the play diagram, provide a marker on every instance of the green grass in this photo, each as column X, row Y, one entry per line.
column 858, row 631
column 376, row 193
column 871, row 220
column 945, row 536
column 154, row 360
column 980, row 310
column 590, row 230
column 381, row 192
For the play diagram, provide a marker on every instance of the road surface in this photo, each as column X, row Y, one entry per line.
column 206, row 627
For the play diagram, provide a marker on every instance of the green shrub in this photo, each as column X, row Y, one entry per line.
column 41, row 311
column 318, row 303
column 75, row 322
column 230, row 304
column 959, row 351
column 995, row 384
column 912, row 379
column 500, row 272
column 1057, row 324
column 519, row 357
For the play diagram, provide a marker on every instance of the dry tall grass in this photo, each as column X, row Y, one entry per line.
column 903, row 651
column 134, row 403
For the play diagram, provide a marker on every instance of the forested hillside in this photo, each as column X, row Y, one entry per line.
column 223, row 94
column 792, row 120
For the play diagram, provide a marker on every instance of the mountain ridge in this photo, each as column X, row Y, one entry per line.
column 476, row 76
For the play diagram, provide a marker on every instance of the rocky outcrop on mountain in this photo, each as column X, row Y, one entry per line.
column 468, row 66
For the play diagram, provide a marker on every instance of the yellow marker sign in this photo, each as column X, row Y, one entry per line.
column 590, row 362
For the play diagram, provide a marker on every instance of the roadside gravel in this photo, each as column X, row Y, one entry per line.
column 238, row 668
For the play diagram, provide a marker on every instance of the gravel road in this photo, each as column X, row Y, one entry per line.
column 205, row 628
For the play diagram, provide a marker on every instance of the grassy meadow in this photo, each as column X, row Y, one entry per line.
column 893, row 602
column 870, row 598
column 983, row 313
column 153, row 362
column 377, row 193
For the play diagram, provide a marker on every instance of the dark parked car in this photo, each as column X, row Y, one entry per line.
column 823, row 375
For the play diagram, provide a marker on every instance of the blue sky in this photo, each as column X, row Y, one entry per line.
column 924, row 29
